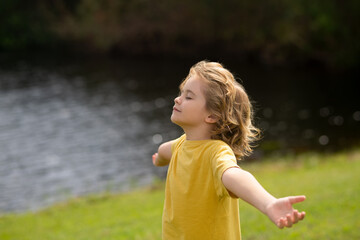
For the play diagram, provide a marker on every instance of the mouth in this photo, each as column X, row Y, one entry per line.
column 176, row 110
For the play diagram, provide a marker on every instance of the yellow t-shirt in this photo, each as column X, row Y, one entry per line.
column 197, row 204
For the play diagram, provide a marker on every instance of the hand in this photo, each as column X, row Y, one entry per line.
column 154, row 157
column 281, row 212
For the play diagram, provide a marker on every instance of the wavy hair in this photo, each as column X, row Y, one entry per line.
column 229, row 103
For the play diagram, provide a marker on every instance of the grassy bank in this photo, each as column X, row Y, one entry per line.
column 330, row 182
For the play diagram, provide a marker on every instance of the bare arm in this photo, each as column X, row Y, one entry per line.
column 244, row 185
column 163, row 156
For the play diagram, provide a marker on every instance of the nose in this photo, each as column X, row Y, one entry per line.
column 177, row 100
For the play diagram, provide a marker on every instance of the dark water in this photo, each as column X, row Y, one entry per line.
column 71, row 127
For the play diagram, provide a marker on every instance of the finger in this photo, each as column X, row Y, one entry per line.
column 296, row 216
column 302, row 215
column 296, row 199
column 281, row 223
column 154, row 158
column 289, row 221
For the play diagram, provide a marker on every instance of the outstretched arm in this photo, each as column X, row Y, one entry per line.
column 163, row 156
column 244, row 185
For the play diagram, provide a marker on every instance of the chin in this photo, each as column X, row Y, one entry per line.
column 173, row 120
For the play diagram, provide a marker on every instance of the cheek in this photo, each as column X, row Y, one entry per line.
column 196, row 106
column 200, row 110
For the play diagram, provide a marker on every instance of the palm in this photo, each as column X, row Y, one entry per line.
column 283, row 214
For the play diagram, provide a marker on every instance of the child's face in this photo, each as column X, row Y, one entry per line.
column 190, row 106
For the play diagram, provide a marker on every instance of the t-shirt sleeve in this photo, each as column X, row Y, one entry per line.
column 177, row 143
column 224, row 158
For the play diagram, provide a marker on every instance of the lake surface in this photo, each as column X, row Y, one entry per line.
column 74, row 126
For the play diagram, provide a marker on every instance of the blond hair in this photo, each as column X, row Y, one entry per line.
column 228, row 102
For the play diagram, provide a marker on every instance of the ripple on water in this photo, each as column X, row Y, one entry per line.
column 58, row 140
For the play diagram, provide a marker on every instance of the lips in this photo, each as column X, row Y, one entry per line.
column 176, row 110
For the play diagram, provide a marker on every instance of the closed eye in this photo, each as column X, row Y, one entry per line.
column 187, row 94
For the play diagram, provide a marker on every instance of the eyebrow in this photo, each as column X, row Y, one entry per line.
column 188, row 91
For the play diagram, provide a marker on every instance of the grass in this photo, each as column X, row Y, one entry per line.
column 331, row 183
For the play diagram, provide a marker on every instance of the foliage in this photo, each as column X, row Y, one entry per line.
column 22, row 25
column 329, row 181
column 273, row 31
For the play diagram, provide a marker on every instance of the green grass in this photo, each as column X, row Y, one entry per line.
column 330, row 182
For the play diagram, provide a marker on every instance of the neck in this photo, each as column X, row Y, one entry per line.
column 197, row 133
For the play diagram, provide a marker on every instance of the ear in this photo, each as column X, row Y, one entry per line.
column 211, row 119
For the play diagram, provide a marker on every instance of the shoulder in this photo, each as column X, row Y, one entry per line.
column 220, row 150
column 178, row 142
column 219, row 146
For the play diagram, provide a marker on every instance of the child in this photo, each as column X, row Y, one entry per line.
column 204, row 180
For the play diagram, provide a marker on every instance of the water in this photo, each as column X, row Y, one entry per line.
column 64, row 135
column 71, row 128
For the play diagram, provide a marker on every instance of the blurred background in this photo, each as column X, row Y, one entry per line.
column 87, row 86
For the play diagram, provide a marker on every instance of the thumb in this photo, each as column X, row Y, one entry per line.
column 296, row 199
column 154, row 156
